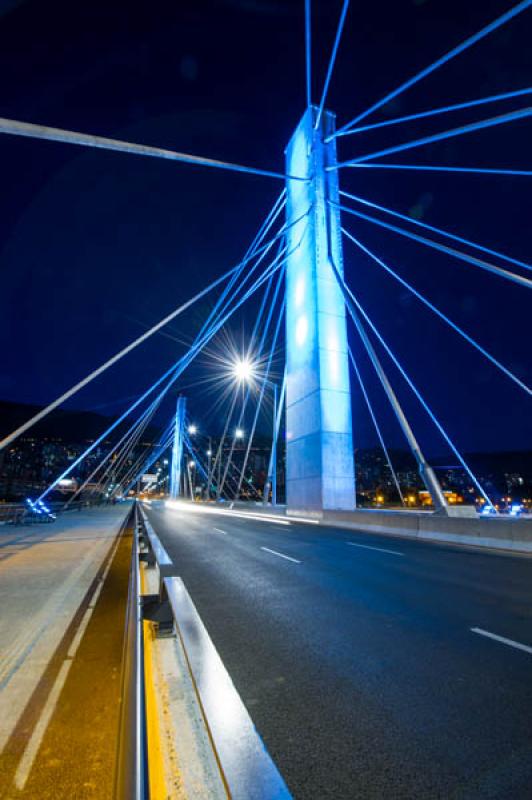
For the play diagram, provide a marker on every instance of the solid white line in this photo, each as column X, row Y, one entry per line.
column 503, row 640
column 220, row 531
column 380, row 549
column 281, row 555
column 76, row 641
column 32, row 748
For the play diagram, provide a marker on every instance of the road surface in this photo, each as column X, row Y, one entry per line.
column 370, row 665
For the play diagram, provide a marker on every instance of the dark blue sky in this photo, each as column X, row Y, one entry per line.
column 96, row 246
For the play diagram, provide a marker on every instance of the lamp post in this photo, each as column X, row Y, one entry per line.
column 245, row 371
column 209, row 469
column 271, row 478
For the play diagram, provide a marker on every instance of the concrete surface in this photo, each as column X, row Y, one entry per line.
column 501, row 532
column 62, row 592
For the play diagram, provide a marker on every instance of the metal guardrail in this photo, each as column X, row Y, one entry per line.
column 132, row 772
column 246, row 768
column 22, row 514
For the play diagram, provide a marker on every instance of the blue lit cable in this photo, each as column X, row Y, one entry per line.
column 436, row 168
column 439, row 231
column 494, row 98
column 256, row 355
column 477, row 262
column 265, row 377
column 332, row 60
column 28, row 129
column 136, row 342
column 375, row 423
column 144, row 462
column 487, row 29
column 127, row 435
column 177, row 369
column 166, row 441
column 440, row 314
column 511, row 116
column 350, row 298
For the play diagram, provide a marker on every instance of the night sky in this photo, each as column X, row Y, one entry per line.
column 96, row 246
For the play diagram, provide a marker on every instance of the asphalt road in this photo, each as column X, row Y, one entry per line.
column 359, row 666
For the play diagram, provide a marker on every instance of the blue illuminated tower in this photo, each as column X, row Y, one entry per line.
column 319, row 437
column 177, row 448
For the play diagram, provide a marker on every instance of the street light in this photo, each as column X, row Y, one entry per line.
column 239, row 433
column 271, row 478
column 192, row 429
column 244, row 370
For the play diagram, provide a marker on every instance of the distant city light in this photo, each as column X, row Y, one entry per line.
column 191, row 464
column 192, row 429
column 209, row 452
column 239, row 433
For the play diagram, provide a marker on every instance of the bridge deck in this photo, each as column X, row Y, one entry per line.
column 63, row 588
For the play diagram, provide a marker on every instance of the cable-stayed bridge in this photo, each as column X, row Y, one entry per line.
column 373, row 653
column 296, row 265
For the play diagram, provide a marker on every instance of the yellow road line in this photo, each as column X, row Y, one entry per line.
column 157, row 777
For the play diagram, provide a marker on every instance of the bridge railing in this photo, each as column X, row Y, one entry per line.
column 245, row 767
column 23, row 514
column 132, row 768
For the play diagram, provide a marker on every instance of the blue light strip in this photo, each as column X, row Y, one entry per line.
column 521, row 113
column 492, row 26
column 440, row 314
column 494, row 98
column 439, row 231
column 350, row 299
column 375, row 423
column 436, row 168
column 332, row 60
column 477, row 262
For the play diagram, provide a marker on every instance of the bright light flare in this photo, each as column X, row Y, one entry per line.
column 244, row 370
column 196, row 508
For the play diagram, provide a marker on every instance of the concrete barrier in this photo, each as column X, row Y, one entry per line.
column 500, row 533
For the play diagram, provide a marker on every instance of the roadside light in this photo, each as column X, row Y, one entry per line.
column 192, row 429
column 239, row 433
column 244, row 370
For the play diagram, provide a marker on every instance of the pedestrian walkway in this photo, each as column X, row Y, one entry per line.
column 63, row 590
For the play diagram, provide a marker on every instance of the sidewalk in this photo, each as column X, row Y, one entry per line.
column 51, row 577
